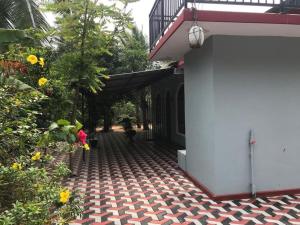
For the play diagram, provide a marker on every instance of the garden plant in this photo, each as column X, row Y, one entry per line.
column 46, row 75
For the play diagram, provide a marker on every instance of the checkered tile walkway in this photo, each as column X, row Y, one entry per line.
column 140, row 184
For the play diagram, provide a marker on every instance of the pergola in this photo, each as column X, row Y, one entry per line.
column 119, row 86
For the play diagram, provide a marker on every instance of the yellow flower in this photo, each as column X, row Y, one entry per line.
column 86, row 147
column 37, row 156
column 16, row 166
column 18, row 102
column 42, row 62
column 32, row 59
column 64, row 196
column 42, row 81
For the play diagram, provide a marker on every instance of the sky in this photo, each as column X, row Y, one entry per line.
column 141, row 10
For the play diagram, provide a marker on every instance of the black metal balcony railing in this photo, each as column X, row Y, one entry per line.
column 164, row 12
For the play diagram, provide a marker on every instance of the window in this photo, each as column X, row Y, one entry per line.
column 180, row 111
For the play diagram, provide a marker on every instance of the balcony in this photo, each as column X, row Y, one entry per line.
column 165, row 12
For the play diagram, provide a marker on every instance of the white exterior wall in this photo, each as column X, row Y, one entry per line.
column 199, row 114
column 234, row 84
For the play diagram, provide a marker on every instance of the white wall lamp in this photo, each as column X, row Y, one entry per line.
column 196, row 36
column 196, row 33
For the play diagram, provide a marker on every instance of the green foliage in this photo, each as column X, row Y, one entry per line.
column 76, row 72
column 57, row 89
column 82, row 28
column 10, row 36
column 31, row 196
column 123, row 109
column 134, row 52
column 62, row 130
column 29, row 193
column 89, row 45
column 15, row 14
column 18, row 127
column 86, row 29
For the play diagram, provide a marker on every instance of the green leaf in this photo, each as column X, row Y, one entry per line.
column 63, row 122
column 10, row 36
column 67, row 128
column 72, row 138
column 53, row 126
column 106, row 77
column 78, row 125
column 61, row 136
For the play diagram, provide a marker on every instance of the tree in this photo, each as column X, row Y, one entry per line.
column 84, row 39
column 31, row 191
column 135, row 58
column 129, row 54
column 21, row 14
column 134, row 53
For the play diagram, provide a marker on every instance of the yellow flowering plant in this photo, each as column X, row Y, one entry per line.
column 42, row 81
column 28, row 187
column 36, row 156
column 18, row 102
column 32, row 59
column 42, row 62
column 36, row 75
column 86, row 147
column 64, row 196
column 16, row 166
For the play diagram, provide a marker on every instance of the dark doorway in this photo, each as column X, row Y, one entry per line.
column 158, row 116
column 180, row 111
column 168, row 117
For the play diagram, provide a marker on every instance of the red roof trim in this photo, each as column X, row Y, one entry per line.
column 229, row 17
column 168, row 34
column 242, row 17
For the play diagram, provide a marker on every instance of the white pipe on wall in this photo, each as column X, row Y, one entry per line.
column 252, row 143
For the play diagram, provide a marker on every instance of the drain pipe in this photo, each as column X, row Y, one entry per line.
column 252, row 143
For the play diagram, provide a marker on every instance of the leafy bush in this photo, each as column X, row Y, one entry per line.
column 31, row 192
column 124, row 109
column 18, row 115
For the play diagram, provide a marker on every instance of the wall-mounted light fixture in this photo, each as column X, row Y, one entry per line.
column 196, row 36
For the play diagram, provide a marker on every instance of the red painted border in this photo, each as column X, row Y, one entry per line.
column 180, row 64
column 243, row 17
column 198, row 184
column 238, row 195
column 230, row 17
column 180, row 20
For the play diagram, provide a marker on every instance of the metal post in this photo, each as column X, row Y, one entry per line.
column 162, row 17
column 83, row 155
column 281, row 6
column 185, row 3
column 82, row 109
